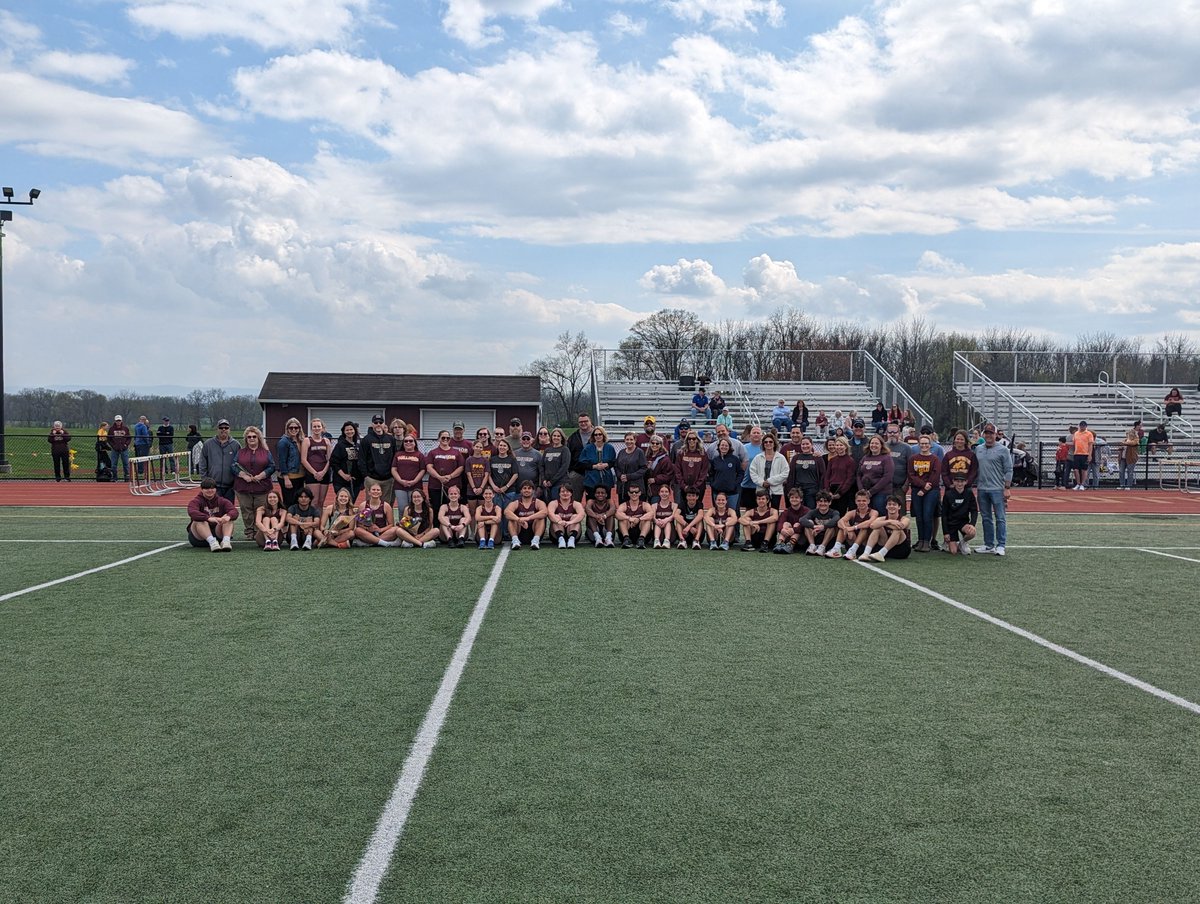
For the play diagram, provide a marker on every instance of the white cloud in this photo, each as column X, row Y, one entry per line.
column 728, row 13
column 933, row 262
column 16, row 33
column 468, row 20
column 267, row 23
column 625, row 26
column 684, row 277
column 97, row 68
column 56, row 120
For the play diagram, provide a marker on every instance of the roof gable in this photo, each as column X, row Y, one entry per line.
column 399, row 388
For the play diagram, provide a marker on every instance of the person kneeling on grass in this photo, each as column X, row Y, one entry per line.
column 960, row 511
column 634, row 518
column 269, row 519
column 758, row 523
column 566, row 518
column 304, row 521
column 212, row 519
column 820, row 525
column 373, row 521
column 526, row 516
column 720, row 522
column 689, row 519
column 487, row 519
column 789, row 527
column 414, row 526
column 454, row 519
column 601, row 515
column 854, row 528
column 889, row 533
column 665, row 513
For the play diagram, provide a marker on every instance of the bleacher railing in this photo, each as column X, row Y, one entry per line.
column 1084, row 367
column 1148, row 410
column 994, row 402
column 885, row 388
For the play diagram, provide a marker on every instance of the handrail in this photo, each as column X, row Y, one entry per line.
column 899, row 393
column 987, row 385
column 743, row 396
column 1157, row 410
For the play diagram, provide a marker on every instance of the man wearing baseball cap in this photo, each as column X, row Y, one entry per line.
column 1085, row 439
column 166, row 444
column 118, row 442
column 217, row 456
column 376, row 450
column 647, row 436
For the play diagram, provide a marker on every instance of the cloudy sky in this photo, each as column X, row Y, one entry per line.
column 234, row 186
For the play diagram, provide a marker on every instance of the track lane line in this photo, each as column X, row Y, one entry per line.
column 372, row 868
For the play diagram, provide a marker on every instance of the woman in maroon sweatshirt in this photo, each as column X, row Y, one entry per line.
column 693, row 465
column 252, row 470
column 925, row 477
column 840, row 472
column 875, row 472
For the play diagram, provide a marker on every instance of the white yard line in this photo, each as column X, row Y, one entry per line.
column 1041, row 641
column 1167, row 555
column 369, row 875
column 83, row 574
column 1105, row 548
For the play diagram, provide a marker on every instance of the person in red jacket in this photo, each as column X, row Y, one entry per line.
column 212, row 517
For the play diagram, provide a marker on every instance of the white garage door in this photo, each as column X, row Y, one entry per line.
column 434, row 420
column 335, row 417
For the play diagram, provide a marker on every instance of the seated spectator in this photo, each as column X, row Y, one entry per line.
column 700, row 403
column 800, row 415
column 1158, row 440
column 781, row 416
column 716, row 404
column 878, row 417
column 821, row 423
column 1173, row 402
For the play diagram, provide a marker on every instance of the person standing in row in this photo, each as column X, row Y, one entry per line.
column 166, row 444
column 314, row 458
column 289, row 471
column 217, row 457
column 141, row 444
column 995, row 479
column 376, row 451
column 60, row 450
column 345, row 466
column 118, row 443
column 252, row 469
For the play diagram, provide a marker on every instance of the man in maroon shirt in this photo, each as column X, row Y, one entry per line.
column 647, row 436
column 212, row 517
column 118, row 442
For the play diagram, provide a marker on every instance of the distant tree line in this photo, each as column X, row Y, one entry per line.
column 674, row 342
column 83, row 408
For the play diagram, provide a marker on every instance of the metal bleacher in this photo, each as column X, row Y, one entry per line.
column 626, row 403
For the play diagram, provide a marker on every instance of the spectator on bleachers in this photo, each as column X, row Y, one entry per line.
column 1159, row 440
column 895, row 415
column 907, row 419
column 822, row 424
column 700, row 403
column 725, row 419
column 878, row 421
column 781, row 416
column 800, row 415
column 716, row 404
column 1173, row 402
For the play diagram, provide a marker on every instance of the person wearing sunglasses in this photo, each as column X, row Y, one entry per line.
column 408, row 471
column 289, row 471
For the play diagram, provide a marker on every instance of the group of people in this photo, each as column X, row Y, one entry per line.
column 654, row 490
column 114, row 441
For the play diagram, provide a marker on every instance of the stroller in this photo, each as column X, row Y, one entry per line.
column 1025, row 471
column 104, row 471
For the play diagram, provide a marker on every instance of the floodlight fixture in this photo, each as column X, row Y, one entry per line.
column 34, row 194
column 5, row 216
column 8, row 192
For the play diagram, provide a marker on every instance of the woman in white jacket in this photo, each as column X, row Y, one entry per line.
column 769, row 469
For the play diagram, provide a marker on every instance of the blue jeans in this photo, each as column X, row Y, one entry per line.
column 1128, row 473
column 924, row 507
column 782, row 423
column 123, row 458
column 991, row 505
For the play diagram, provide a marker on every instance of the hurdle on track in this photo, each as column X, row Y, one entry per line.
column 158, row 475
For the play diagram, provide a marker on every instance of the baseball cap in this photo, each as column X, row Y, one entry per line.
column 989, row 428
column 515, row 422
column 858, row 422
column 377, row 419
column 458, row 425
column 649, row 419
column 526, row 435
column 118, row 417
column 222, row 423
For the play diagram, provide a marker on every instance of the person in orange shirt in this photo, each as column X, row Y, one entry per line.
column 1084, row 441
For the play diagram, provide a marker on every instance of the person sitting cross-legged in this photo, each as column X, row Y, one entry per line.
column 566, row 518
column 634, row 518
column 526, row 516
column 854, row 528
column 758, row 523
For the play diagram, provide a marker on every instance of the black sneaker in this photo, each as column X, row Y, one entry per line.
column 747, row 546
column 764, row 548
column 641, row 544
column 625, row 543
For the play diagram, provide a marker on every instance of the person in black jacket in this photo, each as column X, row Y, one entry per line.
column 375, row 453
column 344, row 464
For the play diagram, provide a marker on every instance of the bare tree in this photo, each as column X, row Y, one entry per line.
column 566, row 378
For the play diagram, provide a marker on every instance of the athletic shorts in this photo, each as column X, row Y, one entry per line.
column 1081, row 462
column 194, row 540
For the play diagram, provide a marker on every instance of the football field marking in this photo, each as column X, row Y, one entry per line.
column 1043, row 642
column 1167, row 555
column 373, row 867
column 83, row 574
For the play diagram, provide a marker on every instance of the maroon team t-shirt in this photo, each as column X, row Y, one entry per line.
column 409, row 465
column 444, row 461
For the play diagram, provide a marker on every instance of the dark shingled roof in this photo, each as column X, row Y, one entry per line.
column 399, row 388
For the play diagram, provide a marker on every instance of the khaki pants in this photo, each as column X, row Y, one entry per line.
column 248, row 506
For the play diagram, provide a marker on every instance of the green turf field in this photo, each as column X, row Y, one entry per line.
column 631, row 726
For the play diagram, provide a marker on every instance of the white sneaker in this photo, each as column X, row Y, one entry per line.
column 562, row 542
column 227, row 545
column 965, row 548
column 214, row 544
column 596, row 539
column 429, row 544
column 516, row 543
column 879, row 556
column 608, row 539
column 999, row 550
column 570, row 542
column 812, row 550
column 295, row 544
column 308, row 542
column 658, row 544
column 985, row 550
column 404, row 544
column 682, row 544
column 695, row 544
column 535, row 543
column 819, row 551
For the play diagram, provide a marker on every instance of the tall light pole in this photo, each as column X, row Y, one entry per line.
column 6, row 217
